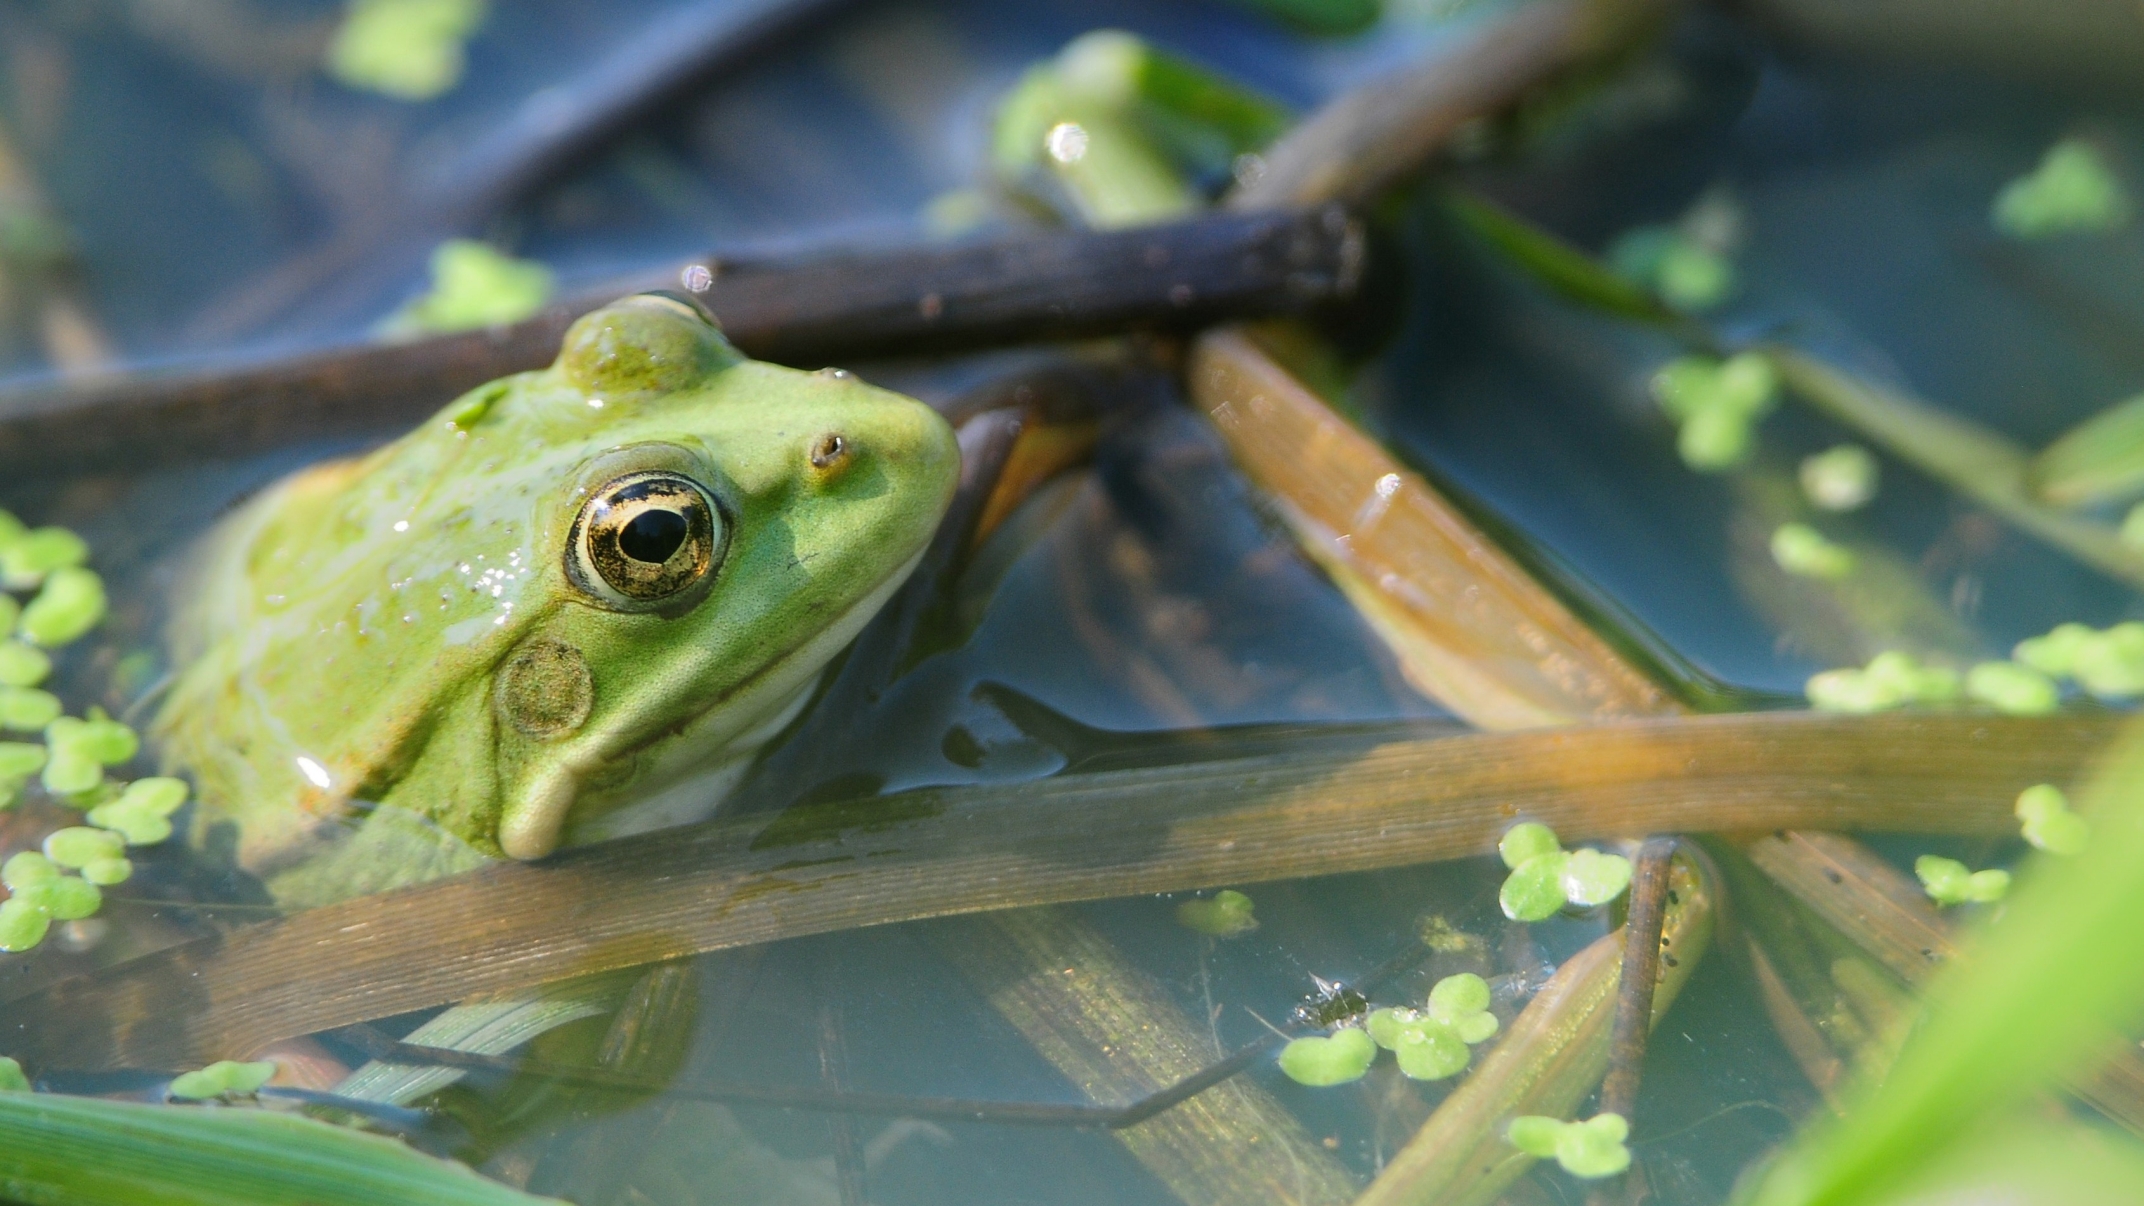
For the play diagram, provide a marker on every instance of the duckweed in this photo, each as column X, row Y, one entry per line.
column 29, row 557
column 1802, row 550
column 410, row 50
column 1338, row 1059
column 12, row 1079
column 18, row 761
column 2048, row 823
column 142, row 812
column 1590, row 1149
column 224, row 1077
column 1717, row 404
column 2107, row 663
column 70, row 604
column 1949, row 882
column 1545, row 878
column 22, row 665
column 22, row 926
column 1839, row 479
column 474, row 285
column 2071, row 191
column 1890, row 680
column 1683, row 272
column 1226, row 914
column 27, row 710
column 2012, row 688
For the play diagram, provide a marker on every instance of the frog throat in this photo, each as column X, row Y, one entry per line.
column 536, row 815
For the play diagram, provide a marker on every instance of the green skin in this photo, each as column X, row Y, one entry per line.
column 396, row 666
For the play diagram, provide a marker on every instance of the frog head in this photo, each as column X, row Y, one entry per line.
column 574, row 603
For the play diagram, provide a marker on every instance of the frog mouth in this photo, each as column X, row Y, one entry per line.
column 535, row 818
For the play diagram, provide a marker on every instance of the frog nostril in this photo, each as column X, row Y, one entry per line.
column 653, row 536
column 829, row 450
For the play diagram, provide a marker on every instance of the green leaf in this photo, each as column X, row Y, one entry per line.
column 1535, row 1134
column 1526, row 840
column 2099, row 460
column 70, row 604
column 1592, row 879
column 1226, row 914
column 1534, row 889
column 1320, row 1061
column 1594, row 1148
column 86, row 1152
column 2071, row 191
column 410, row 50
column 2012, row 689
column 1430, row 1051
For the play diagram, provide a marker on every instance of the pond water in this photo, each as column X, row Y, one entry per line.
column 201, row 165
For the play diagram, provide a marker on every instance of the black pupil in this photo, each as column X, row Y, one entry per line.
column 653, row 536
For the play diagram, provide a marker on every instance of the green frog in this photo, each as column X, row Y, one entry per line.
column 571, row 606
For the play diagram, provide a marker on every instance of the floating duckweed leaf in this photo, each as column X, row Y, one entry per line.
column 22, row 665
column 11, row 529
column 1801, row 549
column 1526, row 840
column 10, row 612
column 62, row 898
column 1592, row 879
column 2048, row 822
column 1841, row 478
column 1535, row 1134
column 1890, row 680
column 1385, row 1026
column 1430, row 1051
column 1534, row 889
column 2109, row 664
column 2056, row 653
column 1318, row 1061
column 78, row 846
column 1594, row 1148
column 11, row 1078
column 22, row 925
column 18, row 761
column 1226, row 914
column 26, row 709
column 99, row 738
column 158, row 795
column 2071, row 191
column 27, row 559
column 104, row 872
column 142, row 811
column 29, row 867
column 70, row 773
column 473, row 286
column 70, row 604
column 223, row 1076
column 1590, row 1149
column 1949, row 882
column 1683, row 272
column 1462, row 1003
column 1716, row 402
column 1455, row 997
column 407, row 49
column 2013, row 689
column 139, row 826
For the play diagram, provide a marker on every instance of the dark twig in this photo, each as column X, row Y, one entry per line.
column 806, row 309
column 1634, row 991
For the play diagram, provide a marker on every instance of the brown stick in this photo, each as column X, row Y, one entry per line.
column 809, row 310
column 1641, row 972
column 1302, row 809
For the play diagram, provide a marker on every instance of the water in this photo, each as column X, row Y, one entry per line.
column 1148, row 591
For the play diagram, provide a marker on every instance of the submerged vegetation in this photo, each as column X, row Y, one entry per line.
column 1216, row 613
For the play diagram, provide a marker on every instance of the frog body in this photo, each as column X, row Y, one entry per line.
column 573, row 604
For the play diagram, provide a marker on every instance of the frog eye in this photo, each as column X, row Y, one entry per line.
column 645, row 540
